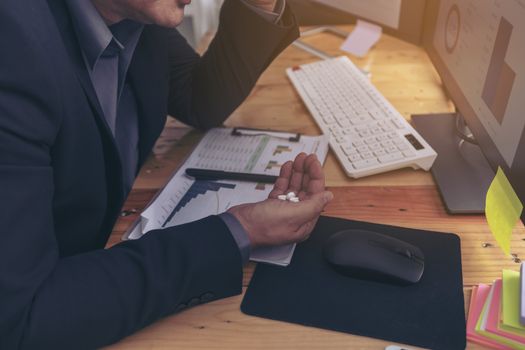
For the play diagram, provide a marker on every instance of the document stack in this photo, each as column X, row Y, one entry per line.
column 496, row 315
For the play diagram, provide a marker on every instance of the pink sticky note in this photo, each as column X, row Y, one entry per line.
column 493, row 319
column 362, row 38
column 477, row 300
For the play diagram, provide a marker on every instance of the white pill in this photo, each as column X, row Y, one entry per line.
column 290, row 195
column 294, row 200
column 282, row 197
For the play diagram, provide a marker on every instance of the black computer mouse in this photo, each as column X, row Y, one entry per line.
column 374, row 256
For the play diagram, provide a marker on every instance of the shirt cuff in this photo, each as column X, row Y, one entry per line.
column 271, row 16
column 239, row 235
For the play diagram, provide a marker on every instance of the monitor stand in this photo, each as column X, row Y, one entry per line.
column 460, row 170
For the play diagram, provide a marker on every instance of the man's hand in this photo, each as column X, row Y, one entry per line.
column 267, row 5
column 275, row 222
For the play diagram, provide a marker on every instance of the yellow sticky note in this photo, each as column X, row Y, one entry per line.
column 502, row 209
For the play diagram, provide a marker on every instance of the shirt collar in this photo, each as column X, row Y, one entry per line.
column 93, row 33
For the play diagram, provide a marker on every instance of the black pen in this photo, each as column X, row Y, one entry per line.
column 205, row 174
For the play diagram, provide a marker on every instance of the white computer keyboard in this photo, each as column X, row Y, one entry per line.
column 366, row 133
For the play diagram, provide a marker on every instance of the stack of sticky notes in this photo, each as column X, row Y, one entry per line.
column 496, row 318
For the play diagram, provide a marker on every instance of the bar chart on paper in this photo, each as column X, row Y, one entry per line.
column 206, row 197
column 260, row 154
column 281, row 149
column 200, row 188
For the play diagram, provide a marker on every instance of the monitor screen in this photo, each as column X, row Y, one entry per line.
column 478, row 49
column 401, row 18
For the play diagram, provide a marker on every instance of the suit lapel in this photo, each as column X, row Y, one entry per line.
column 112, row 157
column 149, row 77
column 71, row 43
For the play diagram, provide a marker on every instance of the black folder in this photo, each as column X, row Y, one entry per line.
column 428, row 314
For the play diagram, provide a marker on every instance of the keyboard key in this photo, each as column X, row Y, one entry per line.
column 366, row 155
column 348, row 149
column 351, row 134
column 362, row 149
column 399, row 141
column 402, row 147
column 381, row 138
column 365, row 133
column 354, row 158
column 393, row 135
column 365, row 163
column 379, row 152
column 397, row 123
column 344, row 122
column 375, row 130
column 376, row 114
column 340, row 139
column 359, row 120
column 328, row 119
column 391, row 149
column 338, row 115
column 387, row 143
column 374, row 146
column 370, row 140
column 336, row 132
column 388, row 158
column 409, row 154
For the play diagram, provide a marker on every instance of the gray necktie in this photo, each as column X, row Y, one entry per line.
column 117, row 98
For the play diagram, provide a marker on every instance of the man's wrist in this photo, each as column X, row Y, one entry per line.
column 239, row 234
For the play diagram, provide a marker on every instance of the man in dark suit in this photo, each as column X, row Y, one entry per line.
column 85, row 87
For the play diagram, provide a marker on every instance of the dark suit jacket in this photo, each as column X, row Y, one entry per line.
column 61, row 181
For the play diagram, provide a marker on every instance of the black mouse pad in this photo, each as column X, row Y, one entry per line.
column 429, row 314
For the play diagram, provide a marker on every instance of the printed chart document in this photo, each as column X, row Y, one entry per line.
column 185, row 199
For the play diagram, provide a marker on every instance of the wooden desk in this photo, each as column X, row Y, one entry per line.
column 404, row 74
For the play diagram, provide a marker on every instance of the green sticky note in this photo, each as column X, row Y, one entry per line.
column 502, row 209
column 511, row 299
column 481, row 326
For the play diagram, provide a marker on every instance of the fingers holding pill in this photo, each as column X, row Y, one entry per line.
column 304, row 177
column 294, row 205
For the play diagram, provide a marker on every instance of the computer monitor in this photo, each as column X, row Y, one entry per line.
column 401, row 18
column 478, row 49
